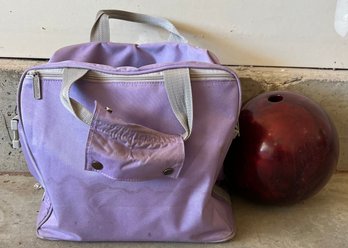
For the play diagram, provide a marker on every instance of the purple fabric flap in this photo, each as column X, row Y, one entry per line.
column 130, row 152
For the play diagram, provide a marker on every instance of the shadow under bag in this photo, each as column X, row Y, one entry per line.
column 128, row 140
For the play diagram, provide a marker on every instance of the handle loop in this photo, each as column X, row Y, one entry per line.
column 100, row 31
column 177, row 84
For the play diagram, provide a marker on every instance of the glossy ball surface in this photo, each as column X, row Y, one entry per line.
column 287, row 149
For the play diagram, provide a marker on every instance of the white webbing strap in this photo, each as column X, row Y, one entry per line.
column 177, row 84
column 70, row 76
column 101, row 29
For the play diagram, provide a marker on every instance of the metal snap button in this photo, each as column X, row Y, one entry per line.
column 108, row 109
column 97, row 165
column 168, row 171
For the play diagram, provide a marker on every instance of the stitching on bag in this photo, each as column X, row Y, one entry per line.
column 91, row 136
column 135, row 83
column 130, row 179
column 52, row 80
column 138, row 83
column 47, row 215
column 214, row 82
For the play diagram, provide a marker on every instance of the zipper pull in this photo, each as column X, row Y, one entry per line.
column 36, row 85
column 14, row 127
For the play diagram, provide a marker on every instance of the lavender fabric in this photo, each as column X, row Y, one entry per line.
column 135, row 55
column 130, row 199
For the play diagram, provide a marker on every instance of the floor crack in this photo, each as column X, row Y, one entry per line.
column 8, row 129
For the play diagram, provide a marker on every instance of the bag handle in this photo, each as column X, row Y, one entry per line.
column 100, row 31
column 177, row 84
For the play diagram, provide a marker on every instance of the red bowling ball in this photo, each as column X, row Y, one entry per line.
column 287, row 149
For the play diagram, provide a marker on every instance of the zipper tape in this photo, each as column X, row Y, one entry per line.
column 57, row 74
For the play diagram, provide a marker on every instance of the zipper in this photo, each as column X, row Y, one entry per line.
column 35, row 75
column 56, row 74
column 94, row 76
column 14, row 128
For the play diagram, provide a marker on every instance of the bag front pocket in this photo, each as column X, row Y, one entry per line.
column 131, row 152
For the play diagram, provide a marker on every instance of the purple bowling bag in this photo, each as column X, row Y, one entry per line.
column 128, row 140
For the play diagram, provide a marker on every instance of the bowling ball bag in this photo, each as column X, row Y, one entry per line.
column 128, row 140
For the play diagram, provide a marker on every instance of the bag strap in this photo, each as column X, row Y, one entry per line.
column 177, row 84
column 100, row 31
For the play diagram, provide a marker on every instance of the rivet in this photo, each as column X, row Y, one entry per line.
column 97, row 165
column 108, row 109
column 168, row 171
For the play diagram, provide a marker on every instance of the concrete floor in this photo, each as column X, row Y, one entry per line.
column 320, row 222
